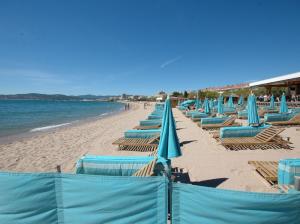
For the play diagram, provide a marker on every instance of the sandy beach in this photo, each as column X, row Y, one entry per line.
column 204, row 161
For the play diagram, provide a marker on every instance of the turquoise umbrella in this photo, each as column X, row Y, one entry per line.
column 253, row 118
column 272, row 102
column 169, row 146
column 198, row 104
column 206, row 106
column 241, row 100
column 220, row 105
column 283, row 105
column 211, row 104
column 230, row 102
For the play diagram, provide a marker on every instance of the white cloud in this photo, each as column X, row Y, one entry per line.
column 170, row 61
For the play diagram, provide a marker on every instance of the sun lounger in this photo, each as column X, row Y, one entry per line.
column 137, row 144
column 267, row 169
column 230, row 121
column 295, row 120
column 122, row 166
column 147, row 170
column 141, row 127
column 266, row 139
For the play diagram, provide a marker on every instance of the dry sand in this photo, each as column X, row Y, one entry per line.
column 204, row 161
column 208, row 163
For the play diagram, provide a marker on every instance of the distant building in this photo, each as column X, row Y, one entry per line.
column 161, row 96
column 227, row 87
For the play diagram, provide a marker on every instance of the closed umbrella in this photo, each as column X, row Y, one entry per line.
column 220, row 105
column 198, row 104
column 206, row 106
column 253, row 118
column 272, row 102
column 169, row 146
column 283, row 105
column 230, row 102
column 241, row 100
column 211, row 104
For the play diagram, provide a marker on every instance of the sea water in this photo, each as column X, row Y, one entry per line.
column 21, row 116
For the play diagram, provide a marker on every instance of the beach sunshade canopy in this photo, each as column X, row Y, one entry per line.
column 188, row 103
column 253, row 118
column 169, row 146
column 241, row 100
column 206, row 106
column 230, row 102
column 283, row 105
column 220, row 105
column 272, row 102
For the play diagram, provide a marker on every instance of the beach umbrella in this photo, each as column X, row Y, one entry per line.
column 272, row 102
column 253, row 118
column 283, row 105
column 169, row 146
column 198, row 104
column 211, row 104
column 241, row 100
column 206, row 106
column 187, row 103
column 230, row 102
column 220, row 105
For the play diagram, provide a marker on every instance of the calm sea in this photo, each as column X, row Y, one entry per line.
column 21, row 116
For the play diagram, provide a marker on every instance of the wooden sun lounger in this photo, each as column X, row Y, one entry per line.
column 147, row 170
column 266, row 139
column 293, row 121
column 266, row 169
column 229, row 122
column 137, row 144
column 147, row 127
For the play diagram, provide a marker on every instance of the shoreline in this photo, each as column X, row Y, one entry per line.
column 9, row 139
column 43, row 151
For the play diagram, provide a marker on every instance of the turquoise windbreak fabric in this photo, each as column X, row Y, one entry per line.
column 199, row 115
column 287, row 170
column 220, row 105
column 119, row 165
column 243, row 131
column 230, row 102
column 47, row 198
column 253, row 118
column 278, row 117
column 169, row 146
column 214, row 120
column 272, row 102
column 195, row 205
column 283, row 105
column 111, row 165
column 153, row 117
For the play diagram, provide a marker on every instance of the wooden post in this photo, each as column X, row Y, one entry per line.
column 58, row 168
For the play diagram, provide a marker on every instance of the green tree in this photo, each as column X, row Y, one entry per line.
column 185, row 94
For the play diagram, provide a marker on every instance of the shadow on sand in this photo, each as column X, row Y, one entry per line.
column 183, row 177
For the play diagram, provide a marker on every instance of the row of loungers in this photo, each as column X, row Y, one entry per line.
column 145, row 137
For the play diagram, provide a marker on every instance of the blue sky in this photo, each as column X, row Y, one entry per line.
column 143, row 46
